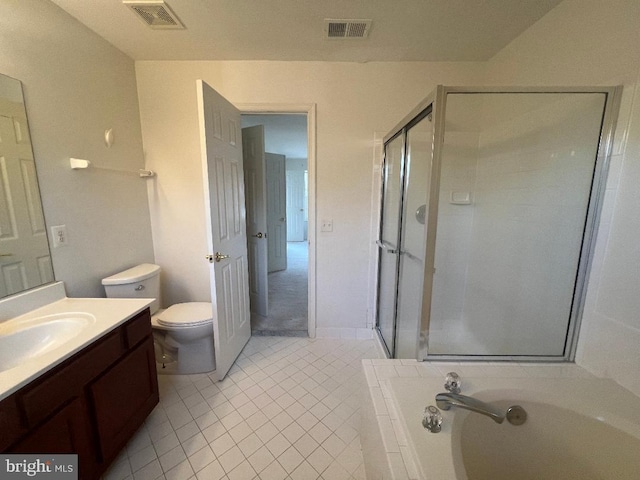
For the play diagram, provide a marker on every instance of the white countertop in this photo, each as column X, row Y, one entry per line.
column 108, row 313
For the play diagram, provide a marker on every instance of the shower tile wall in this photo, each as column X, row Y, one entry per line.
column 455, row 221
column 526, row 163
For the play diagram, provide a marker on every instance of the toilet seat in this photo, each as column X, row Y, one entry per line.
column 189, row 314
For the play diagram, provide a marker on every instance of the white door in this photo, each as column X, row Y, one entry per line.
column 276, row 211
column 221, row 149
column 295, row 205
column 24, row 252
column 255, row 182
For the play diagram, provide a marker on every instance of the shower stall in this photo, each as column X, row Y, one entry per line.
column 489, row 209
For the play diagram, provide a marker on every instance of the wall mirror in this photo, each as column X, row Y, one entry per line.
column 25, row 258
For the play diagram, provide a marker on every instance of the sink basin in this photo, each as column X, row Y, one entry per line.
column 26, row 339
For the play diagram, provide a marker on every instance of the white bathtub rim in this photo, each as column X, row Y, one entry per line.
column 599, row 399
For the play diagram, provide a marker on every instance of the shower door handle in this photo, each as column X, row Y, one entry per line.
column 383, row 245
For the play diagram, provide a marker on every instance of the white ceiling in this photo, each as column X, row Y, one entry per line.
column 402, row 30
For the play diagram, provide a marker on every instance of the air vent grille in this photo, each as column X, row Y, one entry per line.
column 156, row 14
column 346, row 29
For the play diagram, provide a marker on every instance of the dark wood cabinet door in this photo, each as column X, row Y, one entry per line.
column 67, row 431
column 123, row 397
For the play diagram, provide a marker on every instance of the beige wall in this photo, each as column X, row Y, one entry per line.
column 77, row 85
column 591, row 42
column 353, row 101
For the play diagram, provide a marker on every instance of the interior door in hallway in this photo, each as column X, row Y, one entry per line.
column 256, row 201
column 221, row 148
column 276, row 211
column 295, row 206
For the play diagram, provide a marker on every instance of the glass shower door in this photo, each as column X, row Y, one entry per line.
column 389, row 240
column 419, row 134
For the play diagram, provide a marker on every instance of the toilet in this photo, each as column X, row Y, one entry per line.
column 183, row 333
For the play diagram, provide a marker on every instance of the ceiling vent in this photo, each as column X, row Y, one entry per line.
column 346, row 29
column 155, row 14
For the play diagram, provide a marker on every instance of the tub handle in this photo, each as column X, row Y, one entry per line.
column 452, row 382
column 432, row 419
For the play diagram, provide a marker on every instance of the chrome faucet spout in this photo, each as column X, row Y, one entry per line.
column 445, row 401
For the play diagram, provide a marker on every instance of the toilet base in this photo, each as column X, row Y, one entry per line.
column 175, row 359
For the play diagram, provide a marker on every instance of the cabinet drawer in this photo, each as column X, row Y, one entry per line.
column 138, row 328
column 67, row 380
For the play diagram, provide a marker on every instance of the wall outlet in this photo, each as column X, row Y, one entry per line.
column 326, row 226
column 59, row 236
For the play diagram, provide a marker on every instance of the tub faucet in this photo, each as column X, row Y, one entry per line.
column 445, row 401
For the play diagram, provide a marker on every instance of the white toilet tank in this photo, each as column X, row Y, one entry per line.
column 141, row 281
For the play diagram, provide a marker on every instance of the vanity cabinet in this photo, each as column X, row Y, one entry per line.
column 91, row 404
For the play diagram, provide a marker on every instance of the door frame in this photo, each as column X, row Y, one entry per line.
column 309, row 109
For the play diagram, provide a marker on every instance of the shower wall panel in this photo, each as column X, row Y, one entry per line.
column 506, row 262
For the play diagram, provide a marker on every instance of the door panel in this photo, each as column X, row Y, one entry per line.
column 388, row 243
column 23, row 240
column 295, row 206
column 413, row 239
column 254, row 171
column 276, row 212
column 225, row 217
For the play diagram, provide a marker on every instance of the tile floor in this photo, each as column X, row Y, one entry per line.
column 288, row 409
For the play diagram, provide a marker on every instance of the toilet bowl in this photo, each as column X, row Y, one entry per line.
column 183, row 333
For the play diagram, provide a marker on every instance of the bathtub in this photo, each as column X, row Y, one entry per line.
column 577, row 428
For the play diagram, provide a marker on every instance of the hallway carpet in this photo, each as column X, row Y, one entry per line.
column 288, row 299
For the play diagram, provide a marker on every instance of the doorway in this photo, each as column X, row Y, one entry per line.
column 277, row 193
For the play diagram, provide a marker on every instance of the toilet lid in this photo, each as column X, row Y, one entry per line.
column 187, row 314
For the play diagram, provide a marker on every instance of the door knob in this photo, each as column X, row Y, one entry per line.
column 216, row 257
column 258, row 235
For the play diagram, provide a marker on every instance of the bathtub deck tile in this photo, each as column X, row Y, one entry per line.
column 384, row 372
column 427, row 370
column 401, row 438
column 410, row 465
column 407, row 371
column 391, row 408
column 398, row 470
column 379, row 405
column 370, row 375
column 388, row 435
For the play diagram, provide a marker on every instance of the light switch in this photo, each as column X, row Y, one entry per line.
column 326, row 226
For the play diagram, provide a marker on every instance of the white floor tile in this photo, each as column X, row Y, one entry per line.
column 273, row 472
column 278, row 444
column 172, row 458
column 261, row 459
column 290, row 459
column 142, row 458
column 222, row 444
column 304, row 471
column 320, row 459
column 244, row 471
column 231, row 459
column 250, row 445
column 213, row 471
column 201, row 458
column 150, row 471
column 288, row 409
